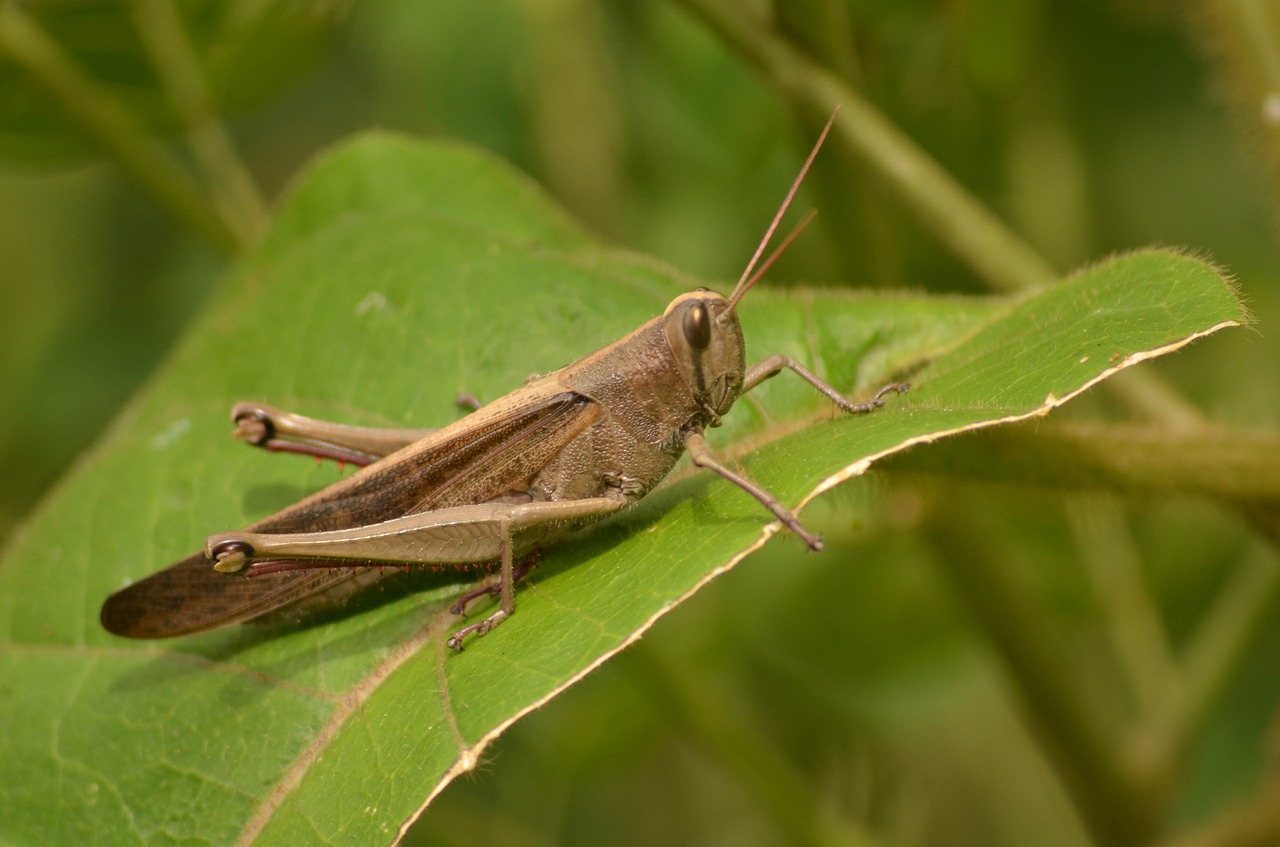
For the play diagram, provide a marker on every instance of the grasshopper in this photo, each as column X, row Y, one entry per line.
column 562, row 451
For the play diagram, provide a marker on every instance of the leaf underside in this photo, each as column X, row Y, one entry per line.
column 399, row 275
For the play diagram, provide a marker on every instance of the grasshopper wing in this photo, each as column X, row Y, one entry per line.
column 484, row 456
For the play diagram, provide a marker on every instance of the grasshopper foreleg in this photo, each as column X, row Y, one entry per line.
column 701, row 454
column 773, row 365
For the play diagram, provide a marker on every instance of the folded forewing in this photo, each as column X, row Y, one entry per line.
column 454, row 466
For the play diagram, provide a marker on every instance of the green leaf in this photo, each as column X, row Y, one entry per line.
column 399, row 275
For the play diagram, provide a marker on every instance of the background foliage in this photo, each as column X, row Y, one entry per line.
column 905, row 710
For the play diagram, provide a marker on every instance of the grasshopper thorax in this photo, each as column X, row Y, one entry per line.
column 705, row 339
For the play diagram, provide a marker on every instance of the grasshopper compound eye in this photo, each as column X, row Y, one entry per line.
column 697, row 326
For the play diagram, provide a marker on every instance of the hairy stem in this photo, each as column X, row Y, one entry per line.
column 1244, row 36
column 1237, row 466
column 27, row 45
column 1091, row 757
column 962, row 223
column 1255, row 823
column 1113, row 563
column 233, row 189
column 1242, row 608
column 782, row 791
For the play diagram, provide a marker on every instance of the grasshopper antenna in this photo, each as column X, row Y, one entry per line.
column 748, row 278
column 773, row 257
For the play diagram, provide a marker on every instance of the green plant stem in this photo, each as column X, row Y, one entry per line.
column 567, row 75
column 1241, row 468
column 1147, row 397
column 825, row 30
column 963, row 224
column 1258, row 23
column 1116, row 806
column 1255, row 823
column 780, row 790
column 1137, row 636
column 25, row 43
column 1217, row 648
column 1245, row 37
column 1227, row 464
column 228, row 180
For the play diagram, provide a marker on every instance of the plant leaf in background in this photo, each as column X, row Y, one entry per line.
column 399, row 275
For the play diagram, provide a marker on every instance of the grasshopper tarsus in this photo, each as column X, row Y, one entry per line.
column 877, row 399
column 891, row 388
column 476, row 629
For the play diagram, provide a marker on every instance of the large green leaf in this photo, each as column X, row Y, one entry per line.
column 399, row 275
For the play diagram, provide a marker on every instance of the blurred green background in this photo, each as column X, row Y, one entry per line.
column 861, row 696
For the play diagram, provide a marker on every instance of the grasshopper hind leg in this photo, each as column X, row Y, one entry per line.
column 506, row 588
column 526, row 564
column 481, row 532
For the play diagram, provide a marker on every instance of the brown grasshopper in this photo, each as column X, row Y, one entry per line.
column 562, row 451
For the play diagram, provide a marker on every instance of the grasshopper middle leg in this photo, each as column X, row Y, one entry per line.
column 270, row 428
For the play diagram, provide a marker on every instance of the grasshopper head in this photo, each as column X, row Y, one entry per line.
column 705, row 338
column 702, row 326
